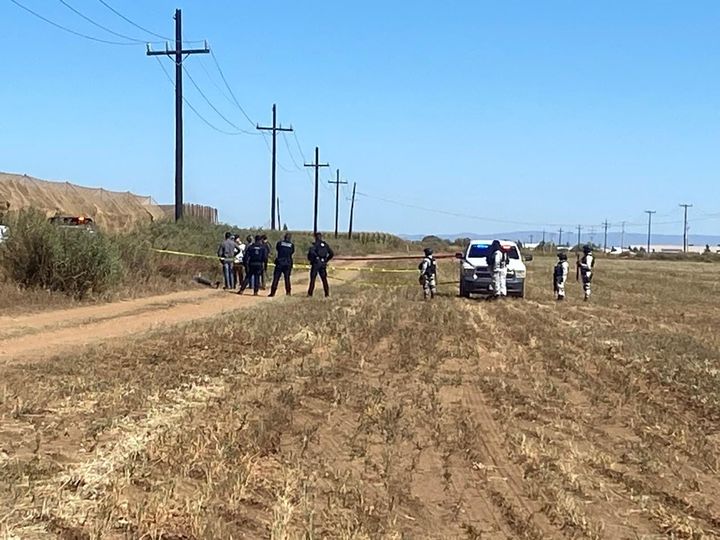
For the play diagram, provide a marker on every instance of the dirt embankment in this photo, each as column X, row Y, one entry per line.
column 111, row 210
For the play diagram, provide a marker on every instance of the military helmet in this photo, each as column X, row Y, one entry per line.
column 562, row 256
column 587, row 249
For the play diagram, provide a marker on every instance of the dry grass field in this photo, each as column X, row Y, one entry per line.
column 376, row 415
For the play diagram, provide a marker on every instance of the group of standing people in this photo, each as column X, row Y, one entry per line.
column 245, row 264
column 583, row 272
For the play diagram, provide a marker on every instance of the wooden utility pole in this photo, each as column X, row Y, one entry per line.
column 273, row 188
column 579, row 232
column 280, row 224
column 316, row 165
column 560, row 237
column 649, row 213
column 622, row 236
column 178, row 53
column 352, row 211
column 337, row 183
column 685, row 228
column 605, row 225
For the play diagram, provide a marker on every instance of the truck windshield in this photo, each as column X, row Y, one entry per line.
column 478, row 251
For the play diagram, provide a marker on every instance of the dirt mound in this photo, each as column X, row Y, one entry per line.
column 111, row 210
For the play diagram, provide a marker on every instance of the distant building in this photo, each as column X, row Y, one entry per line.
column 673, row 248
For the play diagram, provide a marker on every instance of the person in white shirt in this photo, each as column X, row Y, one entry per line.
column 560, row 275
column 238, row 268
column 497, row 261
column 585, row 268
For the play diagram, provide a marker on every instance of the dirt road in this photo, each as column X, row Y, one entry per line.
column 54, row 332
column 42, row 335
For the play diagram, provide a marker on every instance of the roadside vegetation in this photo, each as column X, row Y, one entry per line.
column 42, row 264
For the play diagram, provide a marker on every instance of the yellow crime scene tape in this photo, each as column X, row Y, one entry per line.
column 333, row 268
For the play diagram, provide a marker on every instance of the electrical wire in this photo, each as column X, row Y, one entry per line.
column 302, row 155
column 98, row 25
column 459, row 214
column 124, row 18
column 227, row 85
column 190, row 106
column 223, row 93
column 69, row 30
column 287, row 145
column 207, row 100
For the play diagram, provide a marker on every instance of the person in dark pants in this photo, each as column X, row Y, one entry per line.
column 238, row 265
column 283, row 264
column 319, row 255
column 268, row 250
column 226, row 252
column 255, row 260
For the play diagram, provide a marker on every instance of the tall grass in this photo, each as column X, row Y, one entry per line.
column 80, row 264
column 76, row 262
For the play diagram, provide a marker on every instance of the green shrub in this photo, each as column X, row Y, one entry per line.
column 75, row 262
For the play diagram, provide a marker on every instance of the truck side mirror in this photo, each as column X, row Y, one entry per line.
column 458, row 255
column 529, row 257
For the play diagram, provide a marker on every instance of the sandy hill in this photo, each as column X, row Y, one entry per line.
column 111, row 210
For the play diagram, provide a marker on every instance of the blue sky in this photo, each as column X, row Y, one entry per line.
column 513, row 115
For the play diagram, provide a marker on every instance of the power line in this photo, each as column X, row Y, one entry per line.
column 193, row 109
column 207, row 100
column 98, row 25
column 302, row 154
column 227, row 85
column 287, row 145
column 457, row 214
column 69, row 30
column 127, row 20
column 223, row 92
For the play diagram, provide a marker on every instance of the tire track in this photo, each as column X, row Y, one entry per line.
column 524, row 517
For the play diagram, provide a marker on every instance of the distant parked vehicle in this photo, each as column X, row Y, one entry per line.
column 475, row 276
column 4, row 231
column 74, row 222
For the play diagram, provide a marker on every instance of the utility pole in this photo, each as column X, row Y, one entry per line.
column 649, row 213
column 352, row 211
column 178, row 53
column 337, row 183
column 622, row 236
column 579, row 232
column 273, row 189
column 280, row 223
column 543, row 240
column 316, row 166
column 685, row 227
column 605, row 225
column 560, row 237
column 531, row 238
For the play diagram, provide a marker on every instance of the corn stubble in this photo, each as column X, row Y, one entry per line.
column 376, row 415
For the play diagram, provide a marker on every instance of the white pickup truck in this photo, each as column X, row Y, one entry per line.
column 475, row 276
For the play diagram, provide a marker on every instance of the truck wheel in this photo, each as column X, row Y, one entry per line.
column 464, row 293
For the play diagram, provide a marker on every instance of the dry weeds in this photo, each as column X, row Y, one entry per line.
column 375, row 415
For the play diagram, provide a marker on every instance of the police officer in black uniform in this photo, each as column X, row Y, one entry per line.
column 285, row 250
column 319, row 255
column 255, row 261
